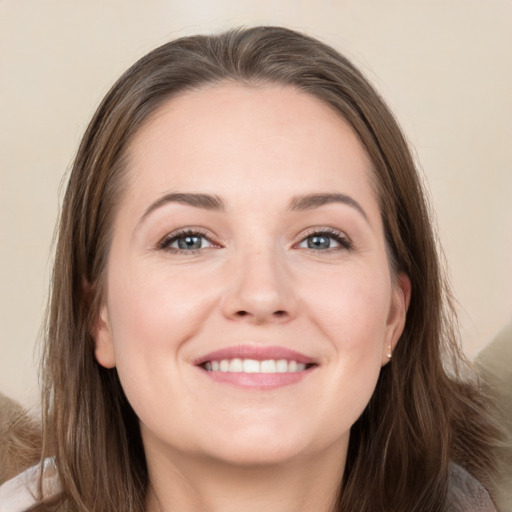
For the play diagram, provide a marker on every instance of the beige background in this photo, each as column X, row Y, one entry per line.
column 444, row 66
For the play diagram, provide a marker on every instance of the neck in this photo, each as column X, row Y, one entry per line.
column 198, row 485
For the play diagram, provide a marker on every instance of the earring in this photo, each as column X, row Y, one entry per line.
column 389, row 354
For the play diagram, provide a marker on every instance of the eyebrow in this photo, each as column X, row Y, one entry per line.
column 215, row 203
column 205, row 201
column 311, row 201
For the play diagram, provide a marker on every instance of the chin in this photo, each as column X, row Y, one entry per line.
column 258, row 445
column 257, row 455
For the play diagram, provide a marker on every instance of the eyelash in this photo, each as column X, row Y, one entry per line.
column 340, row 238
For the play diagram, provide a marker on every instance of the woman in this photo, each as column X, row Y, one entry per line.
column 247, row 310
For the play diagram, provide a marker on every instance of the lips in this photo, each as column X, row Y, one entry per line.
column 253, row 366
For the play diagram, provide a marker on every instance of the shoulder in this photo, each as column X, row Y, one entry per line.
column 19, row 493
column 20, row 439
column 466, row 493
column 19, row 449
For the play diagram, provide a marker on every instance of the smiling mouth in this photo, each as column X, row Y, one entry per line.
column 237, row 365
column 256, row 367
column 256, row 360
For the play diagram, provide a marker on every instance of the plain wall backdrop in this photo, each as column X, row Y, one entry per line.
column 444, row 66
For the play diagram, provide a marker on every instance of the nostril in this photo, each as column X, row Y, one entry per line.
column 279, row 314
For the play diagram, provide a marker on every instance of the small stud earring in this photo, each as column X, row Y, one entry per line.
column 389, row 354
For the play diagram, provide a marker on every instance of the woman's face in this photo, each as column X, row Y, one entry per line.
column 248, row 239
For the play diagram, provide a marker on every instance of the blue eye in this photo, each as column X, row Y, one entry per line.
column 324, row 241
column 189, row 242
column 185, row 241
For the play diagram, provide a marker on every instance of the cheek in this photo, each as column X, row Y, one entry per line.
column 152, row 314
column 351, row 310
column 351, row 307
column 153, row 305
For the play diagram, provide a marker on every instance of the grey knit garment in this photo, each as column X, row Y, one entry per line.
column 466, row 493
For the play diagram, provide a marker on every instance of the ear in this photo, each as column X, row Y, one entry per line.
column 397, row 314
column 103, row 345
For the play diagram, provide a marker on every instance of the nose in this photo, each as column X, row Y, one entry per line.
column 259, row 290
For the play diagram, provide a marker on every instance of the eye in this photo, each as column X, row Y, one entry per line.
column 325, row 240
column 186, row 241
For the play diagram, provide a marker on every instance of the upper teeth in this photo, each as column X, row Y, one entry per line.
column 254, row 366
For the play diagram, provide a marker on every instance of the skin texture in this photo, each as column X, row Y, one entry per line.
column 256, row 282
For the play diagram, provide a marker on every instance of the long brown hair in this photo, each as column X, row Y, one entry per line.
column 422, row 415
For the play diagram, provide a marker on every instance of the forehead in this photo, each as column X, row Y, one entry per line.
column 232, row 136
